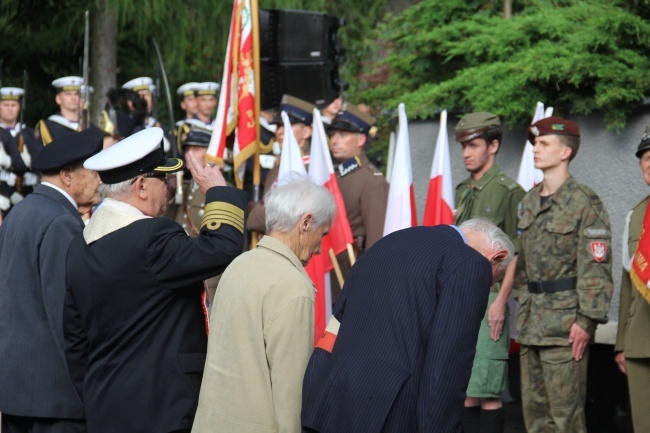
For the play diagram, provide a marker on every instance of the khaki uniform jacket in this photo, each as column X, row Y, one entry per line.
column 365, row 194
column 634, row 311
column 496, row 199
column 261, row 337
column 568, row 236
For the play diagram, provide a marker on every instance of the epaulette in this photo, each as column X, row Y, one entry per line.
column 593, row 197
column 510, row 184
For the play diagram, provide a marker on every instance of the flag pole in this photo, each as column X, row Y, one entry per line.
column 256, row 65
column 337, row 268
column 351, row 255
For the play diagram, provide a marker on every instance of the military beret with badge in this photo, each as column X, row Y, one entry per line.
column 552, row 126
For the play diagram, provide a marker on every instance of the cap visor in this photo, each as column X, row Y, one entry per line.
column 171, row 165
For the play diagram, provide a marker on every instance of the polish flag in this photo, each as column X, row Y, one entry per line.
column 321, row 171
column 440, row 198
column 400, row 212
column 528, row 175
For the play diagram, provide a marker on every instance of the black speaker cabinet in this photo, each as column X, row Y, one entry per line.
column 300, row 55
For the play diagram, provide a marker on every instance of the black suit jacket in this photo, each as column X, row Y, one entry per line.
column 34, row 237
column 410, row 314
column 133, row 321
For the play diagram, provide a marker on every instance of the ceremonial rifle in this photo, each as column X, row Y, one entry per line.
column 178, row 196
column 83, row 120
column 23, row 105
column 168, row 96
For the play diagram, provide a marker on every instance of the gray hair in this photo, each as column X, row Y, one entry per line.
column 497, row 239
column 286, row 204
column 115, row 191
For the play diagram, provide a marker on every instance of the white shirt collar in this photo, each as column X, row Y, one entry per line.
column 65, row 194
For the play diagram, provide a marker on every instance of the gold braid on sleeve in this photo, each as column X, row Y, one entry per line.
column 219, row 212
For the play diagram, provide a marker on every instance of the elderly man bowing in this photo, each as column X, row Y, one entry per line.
column 264, row 320
column 134, row 319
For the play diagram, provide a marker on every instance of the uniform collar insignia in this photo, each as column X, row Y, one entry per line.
column 349, row 166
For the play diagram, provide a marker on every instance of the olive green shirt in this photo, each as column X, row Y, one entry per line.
column 568, row 236
column 634, row 311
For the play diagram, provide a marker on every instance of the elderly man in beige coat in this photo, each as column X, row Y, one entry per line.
column 261, row 333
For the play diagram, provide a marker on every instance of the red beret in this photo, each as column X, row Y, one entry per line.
column 552, row 126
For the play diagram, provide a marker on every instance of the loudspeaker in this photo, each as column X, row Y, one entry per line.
column 299, row 55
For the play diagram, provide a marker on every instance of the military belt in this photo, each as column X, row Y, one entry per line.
column 552, row 286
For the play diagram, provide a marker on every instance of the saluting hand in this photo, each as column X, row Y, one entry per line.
column 206, row 176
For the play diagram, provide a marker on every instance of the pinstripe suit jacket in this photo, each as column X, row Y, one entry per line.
column 34, row 379
column 410, row 314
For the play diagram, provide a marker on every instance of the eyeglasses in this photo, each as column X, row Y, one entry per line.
column 162, row 176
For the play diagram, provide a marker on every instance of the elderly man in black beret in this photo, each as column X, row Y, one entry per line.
column 37, row 393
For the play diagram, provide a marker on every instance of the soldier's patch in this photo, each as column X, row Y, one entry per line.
column 596, row 232
column 599, row 251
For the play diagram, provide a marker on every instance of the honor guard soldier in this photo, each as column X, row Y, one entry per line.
column 187, row 93
column 206, row 101
column 489, row 194
column 633, row 351
column 301, row 116
column 363, row 186
column 10, row 106
column 144, row 87
column 67, row 119
column 566, row 258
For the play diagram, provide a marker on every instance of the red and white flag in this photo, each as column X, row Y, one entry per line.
column 440, row 198
column 528, row 175
column 321, row 171
column 238, row 109
column 400, row 212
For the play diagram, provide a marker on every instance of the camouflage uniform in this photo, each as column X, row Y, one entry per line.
column 494, row 197
column 566, row 257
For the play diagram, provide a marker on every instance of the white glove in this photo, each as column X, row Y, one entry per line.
column 5, row 160
column 166, row 145
column 5, row 203
column 27, row 158
column 30, row 179
column 16, row 198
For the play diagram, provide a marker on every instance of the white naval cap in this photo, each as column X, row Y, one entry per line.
column 11, row 93
column 68, row 83
column 141, row 83
column 187, row 89
column 136, row 155
column 207, row 88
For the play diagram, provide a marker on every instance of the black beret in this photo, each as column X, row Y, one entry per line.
column 68, row 149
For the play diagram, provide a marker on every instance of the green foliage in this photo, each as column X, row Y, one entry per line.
column 578, row 56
